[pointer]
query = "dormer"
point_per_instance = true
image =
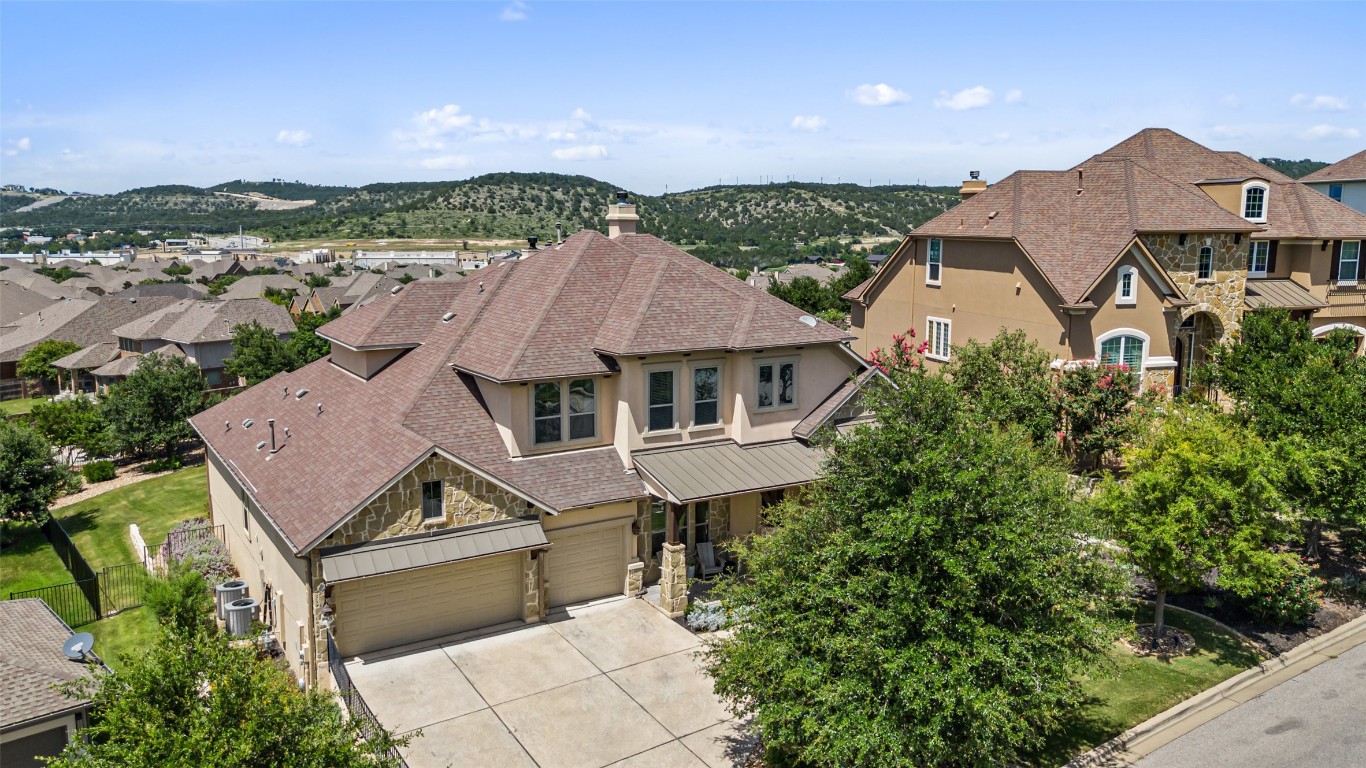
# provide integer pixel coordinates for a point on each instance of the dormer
(1248, 197)
(366, 341)
(1255, 199)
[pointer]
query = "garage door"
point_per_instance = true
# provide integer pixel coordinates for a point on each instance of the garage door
(409, 606)
(586, 564)
(24, 753)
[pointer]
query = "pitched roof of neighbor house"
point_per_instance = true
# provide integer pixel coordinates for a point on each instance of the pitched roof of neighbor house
(92, 356)
(17, 301)
(547, 316)
(190, 321)
(252, 286)
(1348, 169)
(32, 662)
(81, 321)
(124, 366)
(174, 290)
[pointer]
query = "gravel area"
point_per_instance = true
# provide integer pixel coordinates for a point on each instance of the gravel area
(126, 474)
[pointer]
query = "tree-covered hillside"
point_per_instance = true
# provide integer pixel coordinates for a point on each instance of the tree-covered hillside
(283, 190)
(1295, 169)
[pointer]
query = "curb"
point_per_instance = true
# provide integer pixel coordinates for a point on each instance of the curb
(1161, 729)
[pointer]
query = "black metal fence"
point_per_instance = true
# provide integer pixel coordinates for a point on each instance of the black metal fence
(355, 703)
(66, 550)
(94, 594)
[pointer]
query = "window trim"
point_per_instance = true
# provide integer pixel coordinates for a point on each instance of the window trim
(440, 498)
(676, 368)
(1266, 199)
(1130, 299)
(1342, 253)
(565, 439)
(720, 366)
(1200, 273)
(936, 264)
(777, 363)
(930, 338)
(1252, 249)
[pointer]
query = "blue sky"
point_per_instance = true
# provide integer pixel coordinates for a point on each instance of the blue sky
(101, 97)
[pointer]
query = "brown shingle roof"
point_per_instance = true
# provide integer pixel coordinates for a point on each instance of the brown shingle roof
(17, 301)
(191, 321)
(32, 662)
(1349, 169)
(92, 356)
(540, 317)
(82, 321)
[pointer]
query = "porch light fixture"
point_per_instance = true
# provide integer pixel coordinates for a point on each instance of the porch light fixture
(327, 618)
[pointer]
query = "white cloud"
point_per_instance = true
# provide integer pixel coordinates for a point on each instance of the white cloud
(1319, 103)
(585, 152)
(1231, 101)
(1014, 96)
(1324, 131)
(442, 120)
(581, 114)
(879, 95)
(446, 162)
(20, 145)
(812, 123)
(515, 11)
(561, 136)
(298, 138)
(968, 98)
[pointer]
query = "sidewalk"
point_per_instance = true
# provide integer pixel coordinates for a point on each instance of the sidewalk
(1146, 738)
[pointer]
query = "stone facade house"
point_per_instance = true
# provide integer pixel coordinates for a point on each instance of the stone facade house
(1144, 254)
(563, 428)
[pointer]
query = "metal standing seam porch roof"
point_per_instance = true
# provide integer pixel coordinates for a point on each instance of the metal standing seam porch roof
(1280, 293)
(423, 550)
(706, 471)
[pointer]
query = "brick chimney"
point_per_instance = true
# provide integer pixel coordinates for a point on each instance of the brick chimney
(973, 185)
(621, 217)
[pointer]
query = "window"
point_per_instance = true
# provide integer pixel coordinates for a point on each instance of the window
(1349, 264)
(938, 333)
(662, 414)
(1127, 291)
(552, 421)
(658, 524)
(934, 262)
(431, 501)
(126, 345)
(701, 522)
(1254, 202)
(1122, 350)
(1258, 255)
(1335, 192)
(706, 395)
(777, 384)
(1205, 266)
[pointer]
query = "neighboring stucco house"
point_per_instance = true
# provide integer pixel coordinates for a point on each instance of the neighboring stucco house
(36, 720)
(1343, 181)
(1144, 254)
(543, 432)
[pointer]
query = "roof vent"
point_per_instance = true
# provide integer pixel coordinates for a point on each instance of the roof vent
(449, 316)
(246, 423)
(807, 320)
(974, 175)
(320, 409)
(621, 197)
(261, 445)
(395, 290)
(300, 394)
(531, 242)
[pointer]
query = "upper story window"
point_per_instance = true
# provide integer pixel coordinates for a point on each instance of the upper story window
(1335, 192)
(564, 410)
(1258, 258)
(706, 395)
(934, 262)
(432, 500)
(1126, 292)
(1204, 268)
(662, 394)
(127, 345)
(777, 384)
(1254, 201)
(939, 335)
(1349, 263)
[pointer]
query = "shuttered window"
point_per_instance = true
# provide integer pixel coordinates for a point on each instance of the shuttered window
(1122, 350)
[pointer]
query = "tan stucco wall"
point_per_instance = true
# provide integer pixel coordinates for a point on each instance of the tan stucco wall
(598, 514)
(511, 407)
(744, 514)
(363, 364)
(1228, 196)
(1145, 314)
(261, 556)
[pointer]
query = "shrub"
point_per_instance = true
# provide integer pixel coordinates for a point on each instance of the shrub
(181, 600)
(162, 465)
(1349, 585)
(193, 544)
(706, 616)
(1291, 599)
(98, 471)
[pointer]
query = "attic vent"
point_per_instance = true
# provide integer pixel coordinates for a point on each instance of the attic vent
(449, 316)
(300, 394)
(247, 423)
(992, 215)
(396, 289)
(807, 320)
(261, 445)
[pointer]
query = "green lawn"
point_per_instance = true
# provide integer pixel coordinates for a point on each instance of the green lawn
(99, 525)
(1134, 688)
(17, 407)
(125, 634)
(29, 562)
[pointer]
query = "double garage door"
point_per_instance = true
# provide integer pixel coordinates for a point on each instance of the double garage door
(410, 606)
(586, 563)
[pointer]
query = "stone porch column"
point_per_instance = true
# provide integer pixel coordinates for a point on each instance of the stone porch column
(673, 579)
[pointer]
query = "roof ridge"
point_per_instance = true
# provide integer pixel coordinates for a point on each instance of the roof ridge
(533, 327)
(1129, 195)
(648, 296)
(1305, 208)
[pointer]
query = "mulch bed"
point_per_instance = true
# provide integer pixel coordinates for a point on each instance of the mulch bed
(1174, 642)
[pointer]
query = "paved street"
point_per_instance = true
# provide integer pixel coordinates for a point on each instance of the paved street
(1317, 719)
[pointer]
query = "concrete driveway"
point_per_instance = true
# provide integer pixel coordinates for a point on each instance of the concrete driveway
(616, 683)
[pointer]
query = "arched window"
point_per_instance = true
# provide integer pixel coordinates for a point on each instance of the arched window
(1254, 201)
(1123, 346)
(1126, 291)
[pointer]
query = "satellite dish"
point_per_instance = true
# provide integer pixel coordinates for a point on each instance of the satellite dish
(78, 645)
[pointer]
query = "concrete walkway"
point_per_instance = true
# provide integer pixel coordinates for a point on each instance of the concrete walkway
(616, 683)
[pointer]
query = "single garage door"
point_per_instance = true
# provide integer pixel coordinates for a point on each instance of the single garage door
(409, 606)
(24, 753)
(586, 564)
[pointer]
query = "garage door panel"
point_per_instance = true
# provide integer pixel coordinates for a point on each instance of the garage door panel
(584, 565)
(424, 603)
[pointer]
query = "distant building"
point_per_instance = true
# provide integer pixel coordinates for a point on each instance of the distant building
(1343, 181)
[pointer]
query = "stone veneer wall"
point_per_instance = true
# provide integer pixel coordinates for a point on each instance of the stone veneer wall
(398, 510)
(719, 523)
(1224, 295)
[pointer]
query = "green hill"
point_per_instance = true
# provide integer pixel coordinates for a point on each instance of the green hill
(1295, 169)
